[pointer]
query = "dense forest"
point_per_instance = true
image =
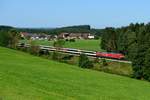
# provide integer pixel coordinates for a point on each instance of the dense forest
(134, 42)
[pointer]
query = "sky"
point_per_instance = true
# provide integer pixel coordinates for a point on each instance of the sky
(60, 13)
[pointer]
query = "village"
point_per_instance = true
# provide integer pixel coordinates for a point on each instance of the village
(64, 35)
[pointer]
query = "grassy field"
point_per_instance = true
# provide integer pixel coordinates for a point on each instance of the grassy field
(84, 44)
(26, 77)
(93, 45)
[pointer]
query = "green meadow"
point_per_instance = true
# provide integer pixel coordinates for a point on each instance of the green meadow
(27, 77)
(93, 45)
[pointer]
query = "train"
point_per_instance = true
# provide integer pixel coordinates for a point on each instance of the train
(110, 55)
(118, 56)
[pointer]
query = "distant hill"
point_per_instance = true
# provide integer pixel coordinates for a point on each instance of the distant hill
(2, 27)
(74, 29)
(56, 31)
(26, 77)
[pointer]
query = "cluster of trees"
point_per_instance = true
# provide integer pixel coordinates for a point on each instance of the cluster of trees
(134, 42)
(9, 37)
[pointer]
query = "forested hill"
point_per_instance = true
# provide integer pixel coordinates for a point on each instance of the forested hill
(69, 29)
(74, 29)
(56, 31)
(5, 27)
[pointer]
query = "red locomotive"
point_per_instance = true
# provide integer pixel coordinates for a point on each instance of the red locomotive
(110, 55)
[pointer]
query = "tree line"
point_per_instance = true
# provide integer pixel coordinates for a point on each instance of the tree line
(134, 42)
(69, 29)
(56, 31)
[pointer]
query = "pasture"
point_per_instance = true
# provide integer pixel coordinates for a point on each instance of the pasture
(93, 45)
(27, 77)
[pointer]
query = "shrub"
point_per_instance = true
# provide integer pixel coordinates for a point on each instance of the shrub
(104, 62)
(55, 55)
(67, 40)
(34, 50)
(43, 52)
(84, 62)
(96, 37)
(72, 40)
(96, 60)
(67, 57)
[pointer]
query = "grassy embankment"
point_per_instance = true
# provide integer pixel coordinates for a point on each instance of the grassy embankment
(26, 77)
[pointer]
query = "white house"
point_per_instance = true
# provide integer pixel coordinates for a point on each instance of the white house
(91, 36)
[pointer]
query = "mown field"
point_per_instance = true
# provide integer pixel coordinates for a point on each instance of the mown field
(93, 45)
(26, 77)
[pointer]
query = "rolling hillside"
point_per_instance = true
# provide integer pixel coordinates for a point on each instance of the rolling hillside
(26, 77)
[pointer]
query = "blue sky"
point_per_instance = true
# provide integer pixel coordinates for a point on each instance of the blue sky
(57, 13)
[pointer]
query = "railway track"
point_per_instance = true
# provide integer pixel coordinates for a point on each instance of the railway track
(75, 52)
